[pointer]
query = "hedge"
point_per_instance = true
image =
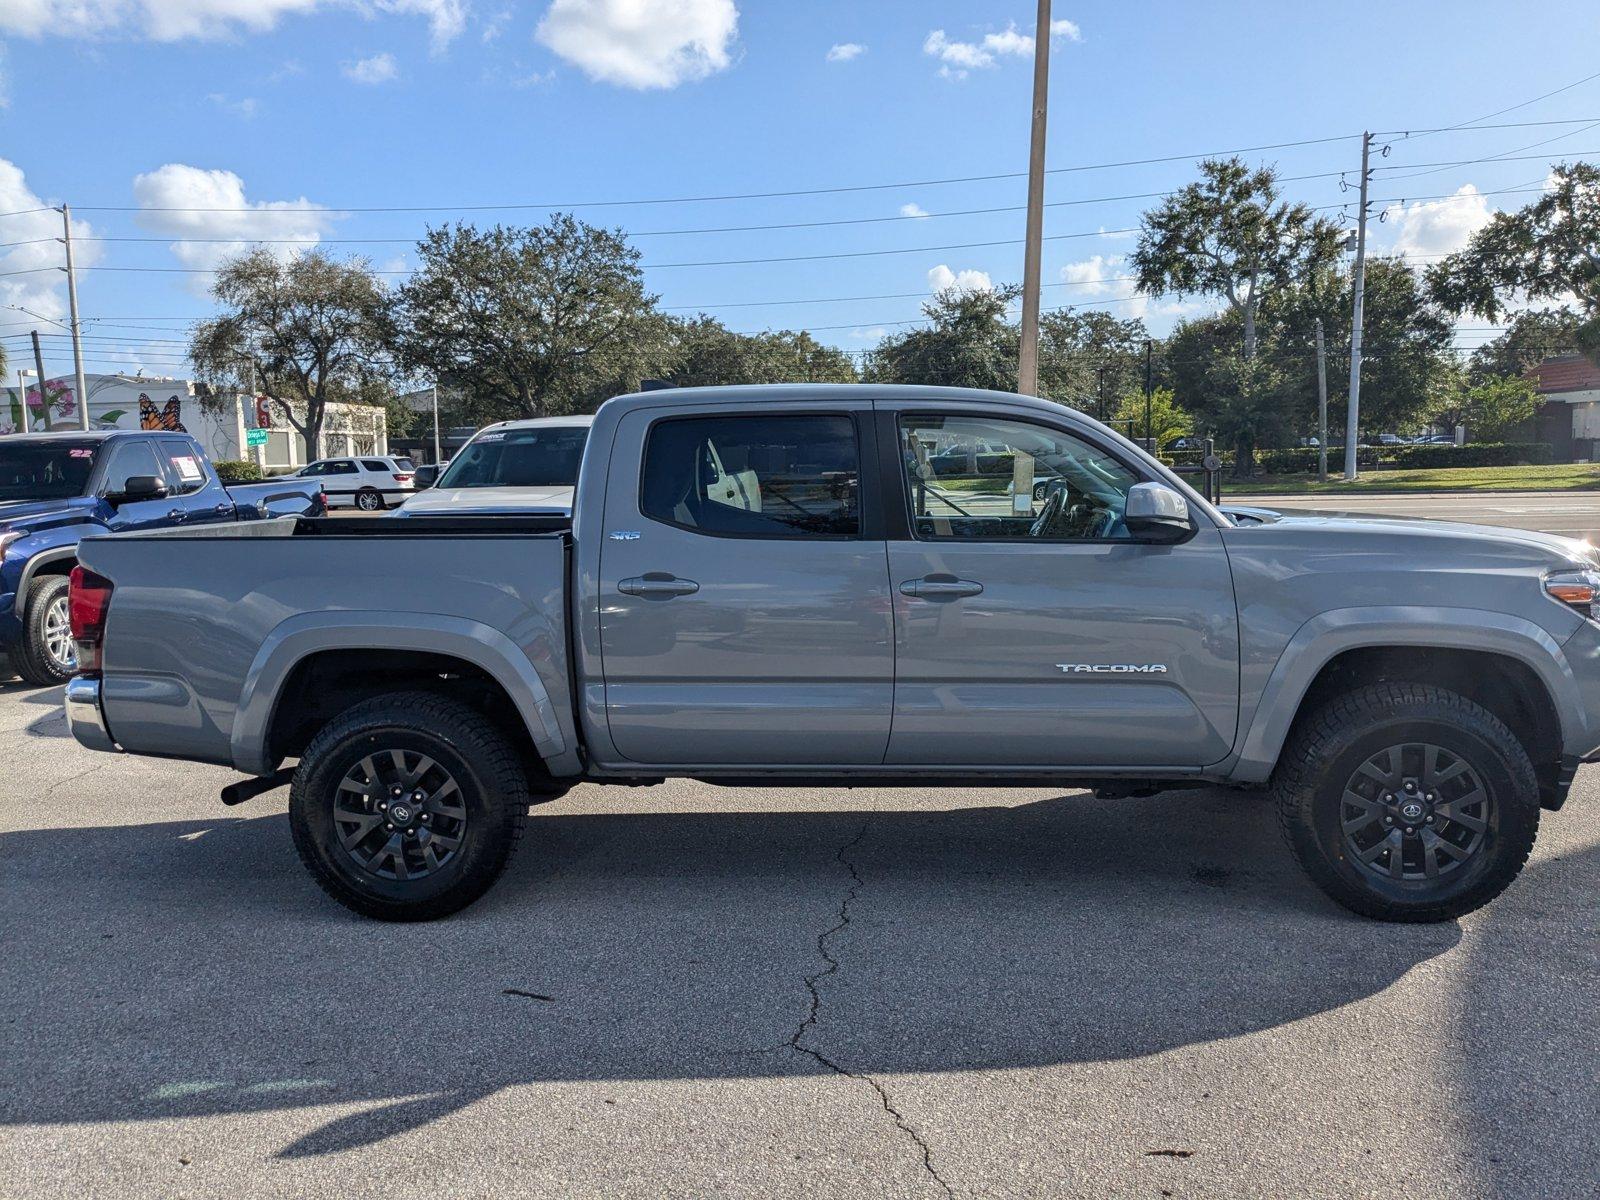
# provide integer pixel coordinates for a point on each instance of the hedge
(235, 470)
(1479, 454)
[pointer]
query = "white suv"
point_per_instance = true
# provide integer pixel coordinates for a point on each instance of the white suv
(371, 482)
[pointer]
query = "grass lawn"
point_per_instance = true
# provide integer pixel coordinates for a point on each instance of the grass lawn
(1560, 477)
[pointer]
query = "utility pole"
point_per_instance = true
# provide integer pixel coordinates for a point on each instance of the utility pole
(77, 329)
(436, 454)
(1149, 354)
(1322, 407)
(1353, 418)
(1028, 353)
(38, 364)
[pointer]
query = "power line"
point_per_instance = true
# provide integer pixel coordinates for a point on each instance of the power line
(1501, 112)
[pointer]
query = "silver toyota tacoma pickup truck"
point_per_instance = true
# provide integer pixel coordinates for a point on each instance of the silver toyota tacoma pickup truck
(775, 585)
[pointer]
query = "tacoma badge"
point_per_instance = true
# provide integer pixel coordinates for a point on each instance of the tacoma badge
(1112, 668)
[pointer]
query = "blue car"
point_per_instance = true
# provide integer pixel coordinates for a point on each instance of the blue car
(57, 488)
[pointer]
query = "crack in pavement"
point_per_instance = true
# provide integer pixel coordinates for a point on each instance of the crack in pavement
(831, 967)
(54, 787)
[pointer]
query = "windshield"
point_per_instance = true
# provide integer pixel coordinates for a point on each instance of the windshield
(44, 470)
(546, 457)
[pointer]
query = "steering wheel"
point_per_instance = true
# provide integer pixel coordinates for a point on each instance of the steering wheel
(1049, 514)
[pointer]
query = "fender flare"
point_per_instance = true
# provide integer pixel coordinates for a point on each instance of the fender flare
(44, 558)
(1323, 637)
(299, 636)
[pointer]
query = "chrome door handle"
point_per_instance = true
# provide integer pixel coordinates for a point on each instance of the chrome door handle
(940, 587)
(658, 585)
(223, 508)
(175, 514)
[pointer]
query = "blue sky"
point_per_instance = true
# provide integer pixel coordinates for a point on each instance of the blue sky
(310, 105)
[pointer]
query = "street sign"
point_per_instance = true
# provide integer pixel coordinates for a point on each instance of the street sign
(255, 437)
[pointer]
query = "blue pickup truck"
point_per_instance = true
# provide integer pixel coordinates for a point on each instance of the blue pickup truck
(58, 488)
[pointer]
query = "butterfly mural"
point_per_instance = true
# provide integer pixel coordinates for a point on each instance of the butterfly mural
(165, 418)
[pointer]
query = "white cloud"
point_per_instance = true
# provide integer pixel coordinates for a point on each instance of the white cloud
(244, 107)
(44, 289)
(642, 43)
(1432, 227)
(958, 58)
(1092, 276)
(913, 210)
(875, 333)
(174, 20)
(942, 277)
(210, 218)
(845, 51)
(380, 68)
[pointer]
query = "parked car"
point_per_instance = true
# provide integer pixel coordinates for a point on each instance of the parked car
(752, 589)
(512, 467)
(370, 482)
(57, 488)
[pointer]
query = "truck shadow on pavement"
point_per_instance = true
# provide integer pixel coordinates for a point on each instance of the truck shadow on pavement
(190, 968)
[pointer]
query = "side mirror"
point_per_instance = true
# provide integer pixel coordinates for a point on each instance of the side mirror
(1156, 513)
(139, 487)
(425, 476)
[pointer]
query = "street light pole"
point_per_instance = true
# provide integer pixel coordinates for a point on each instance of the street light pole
(1353, 418)
(77, 329)
(1322, 407)
(38, 363)
(436, 453)
(1028, 351)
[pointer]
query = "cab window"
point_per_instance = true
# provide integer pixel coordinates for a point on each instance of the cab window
(755, 476)
(186, 470)
(129, 458)
(983, 479)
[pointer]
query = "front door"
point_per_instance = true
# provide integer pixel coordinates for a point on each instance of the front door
(744, 597)
(130, 457)
(1031, 628)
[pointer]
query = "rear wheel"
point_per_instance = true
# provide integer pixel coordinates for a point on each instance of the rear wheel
(408, 807)
(369, 500)
(1407, 802)
(45, 655)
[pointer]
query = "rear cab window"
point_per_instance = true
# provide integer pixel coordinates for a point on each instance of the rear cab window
(186, 468)
(755, 476)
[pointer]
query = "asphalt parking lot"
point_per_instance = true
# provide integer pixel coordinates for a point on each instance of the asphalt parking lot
(690, 991)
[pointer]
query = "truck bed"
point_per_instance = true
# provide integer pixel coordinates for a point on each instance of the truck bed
(208, 623)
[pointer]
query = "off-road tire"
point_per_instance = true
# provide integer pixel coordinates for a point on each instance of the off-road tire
(484, 764)
(370, 500)
(1326, 749)
(31, 657)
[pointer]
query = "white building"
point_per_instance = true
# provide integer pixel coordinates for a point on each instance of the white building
(153, 402)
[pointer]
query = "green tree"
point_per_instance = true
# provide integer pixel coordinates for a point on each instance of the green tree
(1167, 421)
(1240, 401)
(970, 343)
(529, 322)
(1087, 359)
(314, 327)
(1496, 409)
(1532, 336)
(1406, 346)
(1547, 250)
(704, 351)
(1229, 235)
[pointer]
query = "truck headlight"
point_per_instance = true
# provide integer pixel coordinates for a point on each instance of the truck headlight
(1578, 590)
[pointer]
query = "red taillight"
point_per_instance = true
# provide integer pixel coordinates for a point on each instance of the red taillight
(88, 601)
(402, 478)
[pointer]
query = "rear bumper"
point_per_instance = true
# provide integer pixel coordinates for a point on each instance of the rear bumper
(85, 717)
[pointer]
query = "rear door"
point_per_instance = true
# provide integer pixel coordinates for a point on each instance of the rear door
(190, 482)
(1031, 628)
(744, 596)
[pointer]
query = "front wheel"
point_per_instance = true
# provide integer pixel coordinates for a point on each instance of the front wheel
(1408, 802)
(46, 655)
(408, 807)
